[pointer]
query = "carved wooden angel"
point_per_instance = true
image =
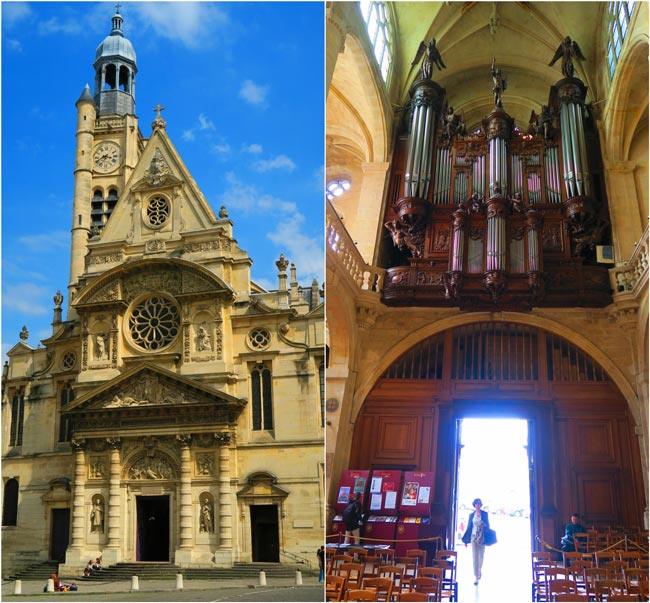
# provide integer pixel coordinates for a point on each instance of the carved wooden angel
(567, 50)
(500, 83)
(431, 57)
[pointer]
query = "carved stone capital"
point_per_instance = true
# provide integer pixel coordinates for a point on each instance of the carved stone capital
(224, 438)
(184, 439)
(78, 444)
(114, 443)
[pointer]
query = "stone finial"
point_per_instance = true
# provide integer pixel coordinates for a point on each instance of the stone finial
(223, 212)
(295, 290)
(58, 299)
(24, 333)
(158, 121)
(282, 264)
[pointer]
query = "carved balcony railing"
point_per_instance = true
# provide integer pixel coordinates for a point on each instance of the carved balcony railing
(342, 250)
(629, 278)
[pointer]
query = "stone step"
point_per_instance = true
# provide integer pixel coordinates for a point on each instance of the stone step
(40, 571)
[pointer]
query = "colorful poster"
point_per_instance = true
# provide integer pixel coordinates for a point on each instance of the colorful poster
(391, 500)
(388, 487)
(423, 495)
(410, 496)
(375, 502)
(359, 485)
(344, 495)
(375, 484)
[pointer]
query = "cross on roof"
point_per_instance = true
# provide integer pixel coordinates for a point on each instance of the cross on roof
(159, 108)
(117, 7)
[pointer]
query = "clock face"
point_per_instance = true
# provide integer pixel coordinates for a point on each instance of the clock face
(107, 157)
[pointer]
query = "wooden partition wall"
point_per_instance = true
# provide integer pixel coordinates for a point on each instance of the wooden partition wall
(585, 452)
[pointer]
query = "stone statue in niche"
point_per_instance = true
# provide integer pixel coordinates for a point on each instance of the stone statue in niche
(97, 516)
(101, 353)
(206, 523)
(204, 464)
(203, 340)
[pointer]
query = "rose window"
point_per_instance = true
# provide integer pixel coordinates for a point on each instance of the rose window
(157, 211)
(154, 322)
(68, 361)
(259, 339)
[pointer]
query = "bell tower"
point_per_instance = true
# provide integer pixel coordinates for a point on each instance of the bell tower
(115, 70)
(109, 144)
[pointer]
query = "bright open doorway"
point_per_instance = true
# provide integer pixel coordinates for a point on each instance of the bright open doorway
(494, 465)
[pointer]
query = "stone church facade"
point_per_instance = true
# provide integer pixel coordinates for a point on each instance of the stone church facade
(177, 413)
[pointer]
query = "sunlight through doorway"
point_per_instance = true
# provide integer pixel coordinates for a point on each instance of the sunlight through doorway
(493, 464)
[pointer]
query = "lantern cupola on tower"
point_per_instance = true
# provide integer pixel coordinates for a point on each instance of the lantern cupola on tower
(115, 69)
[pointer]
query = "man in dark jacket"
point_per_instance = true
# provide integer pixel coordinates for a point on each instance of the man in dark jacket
(352, 518)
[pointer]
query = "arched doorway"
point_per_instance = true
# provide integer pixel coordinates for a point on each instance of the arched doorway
(583, 440)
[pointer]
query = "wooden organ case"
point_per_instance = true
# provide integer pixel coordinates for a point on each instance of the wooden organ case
(502, 218)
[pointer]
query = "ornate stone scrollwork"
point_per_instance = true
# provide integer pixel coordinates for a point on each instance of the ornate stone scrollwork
(78, 444)
(204, 464)
(151, 468)
(114, 443)
(184, 439)
(224, 438)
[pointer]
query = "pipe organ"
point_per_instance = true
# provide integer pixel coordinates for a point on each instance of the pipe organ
(501, 218)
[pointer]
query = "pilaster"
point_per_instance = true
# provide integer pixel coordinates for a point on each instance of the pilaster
(113, 553)
(623, 207)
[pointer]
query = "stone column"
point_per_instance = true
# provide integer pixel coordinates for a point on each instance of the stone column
(365, 228)
(627, 225)
(185, 540)
(78, 505)
(225, 552)
(113, 552)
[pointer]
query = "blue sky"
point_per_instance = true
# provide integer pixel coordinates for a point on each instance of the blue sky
(242, 84)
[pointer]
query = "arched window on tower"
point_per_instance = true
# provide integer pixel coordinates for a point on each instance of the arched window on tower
(101, 209)
(10, 503)
(262, 397)
(110, 79)
(125, 79)
(378, 25)
(619, 15)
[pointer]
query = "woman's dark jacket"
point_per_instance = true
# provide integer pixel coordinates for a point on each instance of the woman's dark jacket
(467, 536)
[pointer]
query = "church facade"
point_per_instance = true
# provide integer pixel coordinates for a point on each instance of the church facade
(468, 281)
(176, 413)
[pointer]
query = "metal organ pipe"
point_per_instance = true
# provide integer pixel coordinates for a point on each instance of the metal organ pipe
(533, 259)
(582, 150)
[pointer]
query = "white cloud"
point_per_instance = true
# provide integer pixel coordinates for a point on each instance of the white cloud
(280, 162)
(14, 45)
(252, 93)
(27, 298)
(255, 149)
(39, 242)
(246, 198)
(14, 12)
(189, 135)
(57, 26)
(193, 24)
(304, 251)
(205, 123)
(221, 149)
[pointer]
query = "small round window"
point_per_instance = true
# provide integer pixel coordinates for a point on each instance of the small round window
(157, 211)
(154, 322)
(259, 339)
(68, 361)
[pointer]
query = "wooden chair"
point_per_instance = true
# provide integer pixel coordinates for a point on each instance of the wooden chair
(618, 598)
(353, 574)
(576, 572)
(580, 541)
(569, 598)
(632, 557)
(615, 569)
(564, 586)
(420, 554)
(636, 581)
(359, 595)
(430, 586)
(540, 556)
(356, 552)
(410, 565)
(604, 557)
(383, 587)
(395, 573)
(371, 564)
(337, 560)
(387, 555)
(592, 575)
(334, 587)
(412, 597)
(449, 584)
(605, 589)
(539, 590)
(569, 558)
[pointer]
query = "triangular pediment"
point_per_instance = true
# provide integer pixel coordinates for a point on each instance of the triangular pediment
(160, 171)
(149, 387)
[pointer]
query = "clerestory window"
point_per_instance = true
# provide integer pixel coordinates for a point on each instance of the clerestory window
(378, 25)
(619, 22)
(262, 397)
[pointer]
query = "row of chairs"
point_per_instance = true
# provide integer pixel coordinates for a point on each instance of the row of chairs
(405, 574)
(381, 589)
(612, 578)
(601, 558)
(597, 540)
